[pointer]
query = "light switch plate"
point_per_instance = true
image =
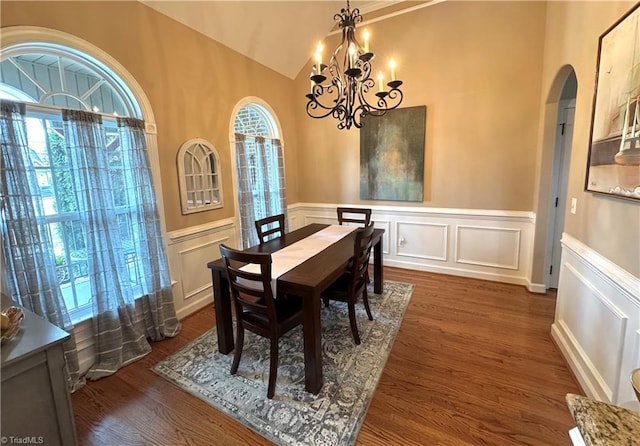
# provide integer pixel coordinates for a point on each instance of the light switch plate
(574, 205)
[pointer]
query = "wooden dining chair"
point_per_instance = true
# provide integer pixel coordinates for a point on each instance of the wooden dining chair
(360, 216)
(269, 226)
(256, 308)
(354, 282)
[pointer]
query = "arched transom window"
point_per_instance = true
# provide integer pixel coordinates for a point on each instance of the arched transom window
(51, 75)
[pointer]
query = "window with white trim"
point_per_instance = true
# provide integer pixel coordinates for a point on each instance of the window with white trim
(265, 164)
(48, 78)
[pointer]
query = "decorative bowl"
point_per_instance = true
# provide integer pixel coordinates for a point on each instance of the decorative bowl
(15, 316)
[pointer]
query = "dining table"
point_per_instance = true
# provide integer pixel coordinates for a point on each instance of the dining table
(307, 281)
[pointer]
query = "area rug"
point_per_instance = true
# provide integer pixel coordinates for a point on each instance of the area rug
(295, 417)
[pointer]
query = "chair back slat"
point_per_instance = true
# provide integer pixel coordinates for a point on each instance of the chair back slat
(267, 227)
(360, 216)
(359, 270)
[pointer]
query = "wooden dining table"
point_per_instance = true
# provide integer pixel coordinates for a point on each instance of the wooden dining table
(307, 280)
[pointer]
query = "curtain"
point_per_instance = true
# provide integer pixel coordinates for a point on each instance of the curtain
(29, 266)
(245, 194)
(266, 187)
(123, 238)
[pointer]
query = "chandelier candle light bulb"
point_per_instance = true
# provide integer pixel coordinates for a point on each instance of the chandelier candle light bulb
(365, 38)
(344, 88)
(318, 57)
(352, 55)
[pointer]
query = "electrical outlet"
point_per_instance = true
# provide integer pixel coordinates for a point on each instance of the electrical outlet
(574, 205)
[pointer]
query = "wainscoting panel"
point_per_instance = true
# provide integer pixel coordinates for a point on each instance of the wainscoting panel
(423, 240)
(485, 246)
(189, 252)
(597, 322)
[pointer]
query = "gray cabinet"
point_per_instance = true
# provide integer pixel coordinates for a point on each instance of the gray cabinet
(36, 405)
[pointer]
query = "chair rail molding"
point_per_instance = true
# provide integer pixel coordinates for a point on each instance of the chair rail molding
(597, 322)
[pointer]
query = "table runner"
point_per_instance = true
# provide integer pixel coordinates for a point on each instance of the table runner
(293, 255)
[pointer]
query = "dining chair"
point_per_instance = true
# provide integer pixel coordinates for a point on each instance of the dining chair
(256, 308)
(354, 282)
(354, 215)
(270, 225)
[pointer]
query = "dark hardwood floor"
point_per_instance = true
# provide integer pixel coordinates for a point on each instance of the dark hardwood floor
(473, 364)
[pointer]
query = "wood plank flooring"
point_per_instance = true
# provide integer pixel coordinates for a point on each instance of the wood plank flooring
(473, 364)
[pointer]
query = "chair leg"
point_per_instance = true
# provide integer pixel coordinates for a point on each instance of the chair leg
(352, 319)
(365, 299)
(326, 301)
(237, 352)
(273, 368)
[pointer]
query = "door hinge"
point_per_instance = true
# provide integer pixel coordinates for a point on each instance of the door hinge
(562, 130)
(551, 269)
(556, 201)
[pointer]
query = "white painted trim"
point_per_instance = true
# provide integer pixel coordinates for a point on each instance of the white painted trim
(182, 235)
(523, 216)
(539, 288)
(624, 281)
(194, 306)
(483, 275)
(581, 370)
(596, 289)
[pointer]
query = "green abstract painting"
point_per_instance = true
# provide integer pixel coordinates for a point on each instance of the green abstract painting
(392, 150)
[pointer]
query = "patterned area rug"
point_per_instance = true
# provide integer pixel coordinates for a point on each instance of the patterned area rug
(294, 416)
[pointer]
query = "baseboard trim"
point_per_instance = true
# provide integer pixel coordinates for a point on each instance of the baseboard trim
(194, 306)
(515, 280)
(573, 360)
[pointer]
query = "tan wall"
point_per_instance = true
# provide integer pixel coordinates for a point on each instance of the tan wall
(192, 82)
(610, 226)
(477, 67)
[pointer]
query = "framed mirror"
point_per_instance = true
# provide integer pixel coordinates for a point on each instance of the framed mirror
(199, 176)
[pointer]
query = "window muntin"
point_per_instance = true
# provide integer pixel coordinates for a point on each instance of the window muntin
(199, 176)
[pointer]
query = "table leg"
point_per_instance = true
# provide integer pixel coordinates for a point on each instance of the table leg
(222, 307)
(312, 343)
(377, 267)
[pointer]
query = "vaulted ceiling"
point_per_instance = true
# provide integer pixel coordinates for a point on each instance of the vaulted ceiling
(278, 34)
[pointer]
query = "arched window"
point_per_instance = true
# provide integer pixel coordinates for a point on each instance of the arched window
(199, 176)
(51, 78)
(259, 167)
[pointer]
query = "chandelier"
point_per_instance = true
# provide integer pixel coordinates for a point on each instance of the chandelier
(344, 88)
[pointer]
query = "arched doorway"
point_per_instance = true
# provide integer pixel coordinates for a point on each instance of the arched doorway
(553, 174)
